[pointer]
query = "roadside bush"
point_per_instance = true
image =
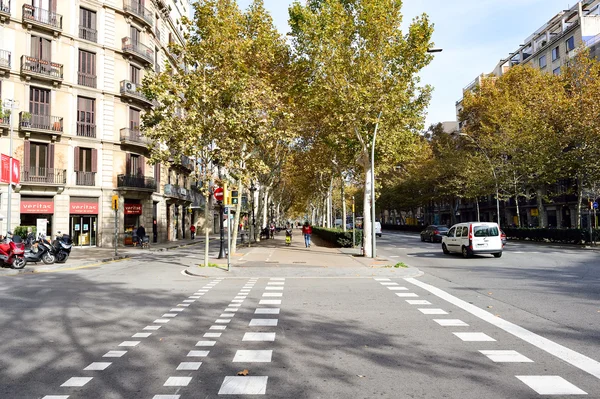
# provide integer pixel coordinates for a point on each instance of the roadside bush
(22, 231)
(573, 236)
(338, 237)
(403, 227)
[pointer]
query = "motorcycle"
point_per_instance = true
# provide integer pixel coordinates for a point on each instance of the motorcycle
(39, 250)
(62, 247)
(12, 252)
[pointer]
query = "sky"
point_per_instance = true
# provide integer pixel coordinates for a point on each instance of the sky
(474, 36)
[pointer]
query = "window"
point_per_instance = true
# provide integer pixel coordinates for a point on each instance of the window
(542, 61)
(451, 232)
(556, 71)
(86, 160)
(135, 35)
(157, 173)
(134, 165)
(134, 119)
(465, 231)
(485, 231)
(458, 231)
(86, 120)
(555, 53)
(87, 69)
(38, 158)
(134, 74)
(41, 48)
(39, 108)
(570, 43)
(87, 25)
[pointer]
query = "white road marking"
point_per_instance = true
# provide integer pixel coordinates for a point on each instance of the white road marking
(191, 366)
(235, 304)
(276, 283)
(550, 385)
(129, 343)
(166, 397)
(222, 321)
(398, 288)
(206, 343)
(253, 356)
(56, 397)
(263, 322)
(432, 311)
(274, 288)
(270, 302)
(418, 302)
(189, 300)
(389, 283)
(212, 335)
(272, 294)
(227, 315)
(568, 355)
(382, 279)
(97, 366)
(169, 315)
(235, 385)
(177, 310)
(178, 381)
(141, 335)
(231, 309)
(152, 328)
(474, 337)
(277, 278)
(198, 353)
(184, 304)
(406, 294)
(267, 311)
(245, 290)
(114, 353)
(217, 327)
(76, 381)
(259, 337)
(451, 323)
(238, 301)
(506, 356)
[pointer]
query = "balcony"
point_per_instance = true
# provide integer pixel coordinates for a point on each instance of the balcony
(41, 69)
(129, 91)
(4, 123)
(139, 12)
(5, 61)
(4, 10)
(35, 123)
(157, 33)
(136, 183)
(86, 129)
(133, 137)
(89, 34)
(43, 19)
(44, 175)
(85, 178)
(174, 191)
(137, 50)
(85, 79)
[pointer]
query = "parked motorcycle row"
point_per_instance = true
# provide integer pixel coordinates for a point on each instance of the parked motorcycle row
(16, 254)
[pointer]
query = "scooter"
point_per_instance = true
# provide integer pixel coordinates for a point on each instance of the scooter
(39, 250)
(12, 252)
(62, 247)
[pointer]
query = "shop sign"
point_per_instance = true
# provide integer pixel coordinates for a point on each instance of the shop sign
(6, 170)
(83, 207)
(132, 209)
(37, 205)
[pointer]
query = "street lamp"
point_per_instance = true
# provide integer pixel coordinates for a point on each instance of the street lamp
(493, 171)
(252, 191)
(272, 216)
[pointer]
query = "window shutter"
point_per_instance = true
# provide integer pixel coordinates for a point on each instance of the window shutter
(128, 164)
(77, 159)
(50, 156)
(157, 173)
(27, 156)
(94, 160)
(142, 165)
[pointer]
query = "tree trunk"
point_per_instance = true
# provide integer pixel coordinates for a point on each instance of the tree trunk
(541, 209)
(265, 210)
(579, 201)
(236, 218)
(343, 194)
(367, 225)
(207, 207)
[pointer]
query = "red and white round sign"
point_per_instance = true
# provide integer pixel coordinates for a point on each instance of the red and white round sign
(218, 194)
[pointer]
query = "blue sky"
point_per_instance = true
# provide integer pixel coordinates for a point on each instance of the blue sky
(475, 35)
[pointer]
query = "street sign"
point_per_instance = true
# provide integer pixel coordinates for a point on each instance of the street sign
(595, 205)
(115, 202)
(218, 194)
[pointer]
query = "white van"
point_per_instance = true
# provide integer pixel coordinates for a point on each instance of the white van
(473, 238)
(378, 229)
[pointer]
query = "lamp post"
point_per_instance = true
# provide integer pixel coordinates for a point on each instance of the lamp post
(493, 171)
(272, 218)
(221, 215)
(252, 191)
(12, 105)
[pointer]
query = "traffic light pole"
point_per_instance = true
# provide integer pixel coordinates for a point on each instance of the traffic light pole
(222, 232)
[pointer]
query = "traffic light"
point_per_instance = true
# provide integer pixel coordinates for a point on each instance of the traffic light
(115, 202)
(234, 197)
(226, 197)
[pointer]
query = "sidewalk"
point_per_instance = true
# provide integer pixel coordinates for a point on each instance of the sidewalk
(274, 257)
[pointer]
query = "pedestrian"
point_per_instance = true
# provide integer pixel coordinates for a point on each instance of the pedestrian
(306, 231)
(272, 230)
(193, 231)
(134, 236)
(141, 233)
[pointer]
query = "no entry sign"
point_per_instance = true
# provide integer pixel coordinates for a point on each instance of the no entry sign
(218, 194)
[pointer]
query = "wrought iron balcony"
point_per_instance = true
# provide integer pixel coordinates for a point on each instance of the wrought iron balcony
(41, 69)
(29, 122)
(44, 175)
(5, 61)
(175, 191)
(86, 129)
(129, 90)
(85, 79)
(85, 178)
(4, 9)
(138, 11)
(88, 34)
(136, 182)
(42, 18)
(133, 137)
(4, 122)
(138, 50)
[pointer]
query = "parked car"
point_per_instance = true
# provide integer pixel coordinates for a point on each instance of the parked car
(473, 238)
(434, 233)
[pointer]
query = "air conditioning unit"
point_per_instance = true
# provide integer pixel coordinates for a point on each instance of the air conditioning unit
(130, 86)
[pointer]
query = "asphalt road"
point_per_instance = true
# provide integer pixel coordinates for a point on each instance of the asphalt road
(123, 330)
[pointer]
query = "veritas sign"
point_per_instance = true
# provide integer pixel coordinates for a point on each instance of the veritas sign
(132, 209)
(32, 205)
(84, 207)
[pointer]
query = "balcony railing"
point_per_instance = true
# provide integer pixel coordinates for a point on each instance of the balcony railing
(5, 8)
(187, 163)
(85, 79)
(4, 121)
(88, 34)
(41, 68)
(133, 136)
(130, 90)
(138, 11)
(39, 16)
(175, 191)
(157, 33)
(137, 49)
(136, 182)
(44, 175)
(86, 129)
(85, 178)
(5, 59)
(48, 123)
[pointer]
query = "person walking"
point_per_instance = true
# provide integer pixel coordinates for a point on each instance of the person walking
(193, 231)
(306, 231)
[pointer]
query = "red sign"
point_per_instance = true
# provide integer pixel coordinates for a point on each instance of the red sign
(132, 209)
(218, 194)
(84, 207)
(35, 205)
(7, 169)
(16, 168)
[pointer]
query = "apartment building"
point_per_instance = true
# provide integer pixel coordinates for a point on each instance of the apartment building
(72, 69)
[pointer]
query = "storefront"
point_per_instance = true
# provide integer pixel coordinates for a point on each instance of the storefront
(84, 220)
(132, 211)
(38, 212)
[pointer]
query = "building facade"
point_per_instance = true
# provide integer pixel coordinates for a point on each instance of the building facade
(72, 69)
